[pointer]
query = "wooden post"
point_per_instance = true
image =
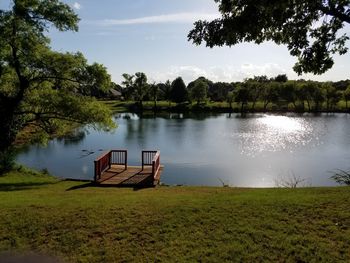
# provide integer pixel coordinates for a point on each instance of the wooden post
(95, 175)
(126, 160)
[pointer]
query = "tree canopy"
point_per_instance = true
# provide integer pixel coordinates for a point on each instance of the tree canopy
(311, 29)
(39, 86)
(179, 92)
(199, 91)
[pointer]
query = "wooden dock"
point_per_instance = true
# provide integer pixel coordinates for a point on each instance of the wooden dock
(111, 169)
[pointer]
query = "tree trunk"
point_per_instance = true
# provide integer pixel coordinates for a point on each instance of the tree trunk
(10, 125)
(265, 105)
(242, 106)
(141, 104)
(316, 106)
(253, 106)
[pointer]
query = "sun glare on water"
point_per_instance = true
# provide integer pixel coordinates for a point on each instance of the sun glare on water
(274, 133)
(282, 123)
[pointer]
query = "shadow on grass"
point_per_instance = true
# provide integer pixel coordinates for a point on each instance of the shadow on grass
(8, 187)
(96, 186)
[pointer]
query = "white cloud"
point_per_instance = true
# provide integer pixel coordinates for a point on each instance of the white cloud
(268, 69)
(219, 73)
(168, 18)
(76, 5)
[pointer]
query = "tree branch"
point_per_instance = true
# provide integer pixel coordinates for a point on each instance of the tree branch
(332, 11)
(51, 116)
(55, 77)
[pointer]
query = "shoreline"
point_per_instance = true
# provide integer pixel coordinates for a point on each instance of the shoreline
(118, 106)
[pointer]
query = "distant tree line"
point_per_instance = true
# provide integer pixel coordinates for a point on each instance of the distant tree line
(277, 93)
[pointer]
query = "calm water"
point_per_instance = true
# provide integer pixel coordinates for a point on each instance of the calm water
(206, 149)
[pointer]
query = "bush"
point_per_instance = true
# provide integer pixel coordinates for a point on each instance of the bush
(341, 177)
(7, 160)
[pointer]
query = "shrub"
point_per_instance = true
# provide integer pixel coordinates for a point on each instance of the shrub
(341, 177)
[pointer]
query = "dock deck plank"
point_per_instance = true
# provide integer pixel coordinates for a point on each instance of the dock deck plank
(132, 176)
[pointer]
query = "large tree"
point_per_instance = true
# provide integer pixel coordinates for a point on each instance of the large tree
(311, 29)
(39, 86)
(128, 86)
(140, 87)
(179, 92)
(242, 95)
(165, 90)
(199, 91)
(331, 95)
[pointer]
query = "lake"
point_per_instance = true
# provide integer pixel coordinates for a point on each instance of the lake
(255, 150)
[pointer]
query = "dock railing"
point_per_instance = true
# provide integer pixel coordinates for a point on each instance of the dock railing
(104, 162)
(151, 158)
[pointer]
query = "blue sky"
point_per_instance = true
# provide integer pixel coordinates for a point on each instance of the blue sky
(151, 36)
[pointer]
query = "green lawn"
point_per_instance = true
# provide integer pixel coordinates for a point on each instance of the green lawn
(89, 224)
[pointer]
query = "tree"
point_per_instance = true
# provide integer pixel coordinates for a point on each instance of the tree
(281, 78)
(318, 97)
(346, 95)
(199, 91)
(97, 82)
(242, 95)
(154, 90)
(306, 92)
(165, 89)
(269, 93)
(288, 93)
(40, 87)
(331, 95)
(310, 28)
(218, 91)
(140, 87)
(128, 84)
(179, 91)
(230, 98)
(255, 87)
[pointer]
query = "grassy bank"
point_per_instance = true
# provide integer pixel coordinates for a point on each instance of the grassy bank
(90, 224)
(130, 106)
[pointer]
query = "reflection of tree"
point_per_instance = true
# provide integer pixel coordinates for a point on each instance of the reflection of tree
(140, 131)
(147, 129)
(73, 138)
(244, 115)
(153, 130)
(201, 115)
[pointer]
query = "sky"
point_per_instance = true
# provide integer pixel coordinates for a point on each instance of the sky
(151, 36)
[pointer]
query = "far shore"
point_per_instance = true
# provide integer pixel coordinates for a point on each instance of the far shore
(216, 107)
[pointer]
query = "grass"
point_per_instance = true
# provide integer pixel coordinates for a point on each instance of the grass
(89, 224)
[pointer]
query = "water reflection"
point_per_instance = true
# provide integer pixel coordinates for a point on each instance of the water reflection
(199, 149)
(283, 123)
(273, 133)
(74, 138)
